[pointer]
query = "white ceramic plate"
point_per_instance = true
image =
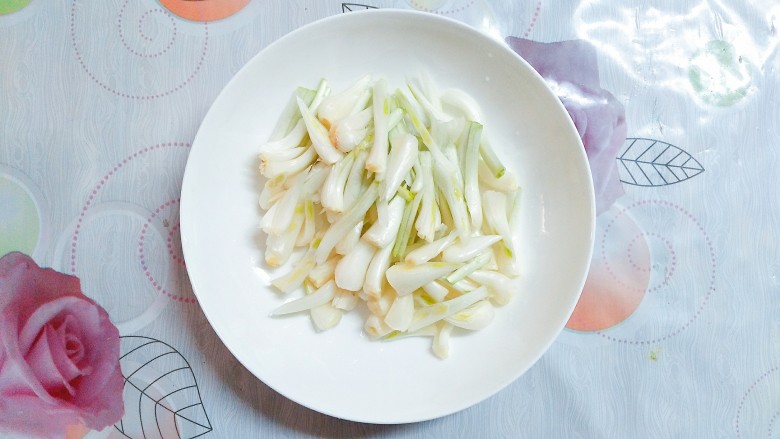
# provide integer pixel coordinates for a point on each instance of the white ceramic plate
(341, 372)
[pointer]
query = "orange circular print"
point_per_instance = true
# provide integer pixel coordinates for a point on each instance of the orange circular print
(204, 10)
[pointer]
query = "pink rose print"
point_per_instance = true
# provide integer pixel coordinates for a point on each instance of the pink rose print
(570, 68)
(59, 353)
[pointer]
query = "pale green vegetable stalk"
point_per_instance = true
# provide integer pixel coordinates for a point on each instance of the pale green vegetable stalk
(436, 291)
(497, 169)
(350, 131)
(377, 159)
(401, 312)
(322, 273)
(429, 251)
(499, 285)
(280, 155)
(309, 229)
(496, 217)
(464, 250)
(351, 270)
(356, 183)
(332, 193)
(279, 247)
(288, 168)
(403, 153)
(290, 115)
(427, 106)
(321, 296)
(350, 240)
(319, 136)
(375, 274)
(426, 223)
(381, 304)
(443, 176)
(273, 189)
(464, 270)
(294, 279)
(405, 229)
(507, 182)
(475, 317)
(345, 300)
(284, 210)
(291, 140)
(431, 314)
(471, 184)
(406, 278)
(325, 316)
(376, 327)
(441, 341)
(384, 231)
(338, 106)
(350, 219)
(462, 102)
(428, 331)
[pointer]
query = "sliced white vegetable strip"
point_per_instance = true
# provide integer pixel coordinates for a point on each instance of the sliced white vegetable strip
(290, 167)
(341, 228)
(350, 131)
(273, 189)
(406, 278)
(426, 105)
(496, 216)
(345, 300)
(309, 228)
(437, 291)
(427, 223)
(279, 247)
(428, 331)
(492, 161)
(291, 140)
(281, 155)
(441, 341)
(418, 181)
(381, 304)
(332, 193)
(514, 216)
(401, 312)
(290, 115)
(432, 314)
(319, 136)
(285, 209)
(462, 251)
(337, 106)
(351, 269)
(430, 250)
(375, 274)
(505, 260)
(315, 179)
(383, 232)
(355, 181)
(463, 102)
(475, 317)
(295, 278)
(464, 270)
(376, 327)
(322, 273)
(350, 240)
(377, 159)
(394, 118)
(500, 286)
(405, 229)
(403, 154)
(470, 181)
(322, 92)
(325, 316)
(507, 182)
(321, 296)
(443, 176)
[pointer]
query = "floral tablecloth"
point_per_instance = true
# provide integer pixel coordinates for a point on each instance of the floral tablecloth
(677, 333)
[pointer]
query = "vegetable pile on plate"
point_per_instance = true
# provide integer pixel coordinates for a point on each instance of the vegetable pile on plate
(397, 200)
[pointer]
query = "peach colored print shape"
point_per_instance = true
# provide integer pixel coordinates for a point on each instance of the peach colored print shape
(618, 278)
(204, 10)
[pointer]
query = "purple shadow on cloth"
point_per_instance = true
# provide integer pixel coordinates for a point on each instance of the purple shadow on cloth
(570, 68)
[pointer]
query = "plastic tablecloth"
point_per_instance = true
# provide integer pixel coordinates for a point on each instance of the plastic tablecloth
(677, 333)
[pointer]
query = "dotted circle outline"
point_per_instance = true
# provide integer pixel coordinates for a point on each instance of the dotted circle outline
(142, 255)
(534, 18)
(109, 89)
(120, 30)
(710, 288)
(668, 271)
(750, 389)
(447, 12)
(772, 423)
(100, 185)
